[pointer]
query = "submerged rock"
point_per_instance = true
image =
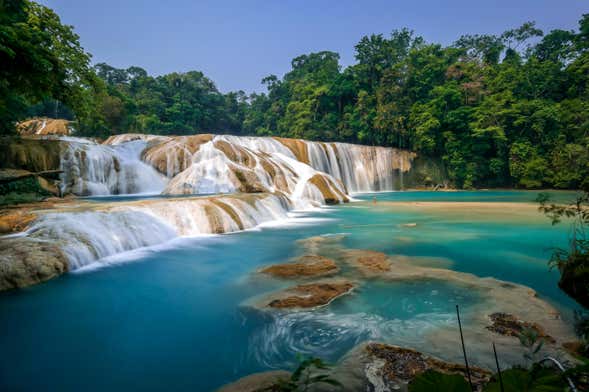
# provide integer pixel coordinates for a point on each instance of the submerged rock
(256, 382)
(310, 295)
(393, 367)
(304, 266)
(367, 261)
(321, 243)
(509, 325)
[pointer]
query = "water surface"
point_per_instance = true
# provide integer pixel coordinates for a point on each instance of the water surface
(173, 317)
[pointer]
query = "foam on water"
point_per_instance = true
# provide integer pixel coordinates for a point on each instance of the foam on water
(95, 169)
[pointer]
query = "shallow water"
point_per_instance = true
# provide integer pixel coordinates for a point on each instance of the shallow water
(174, 318)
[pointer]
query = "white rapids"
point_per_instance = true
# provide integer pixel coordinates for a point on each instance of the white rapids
(266, 177)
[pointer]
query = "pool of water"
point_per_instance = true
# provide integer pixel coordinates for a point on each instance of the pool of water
(174, 317)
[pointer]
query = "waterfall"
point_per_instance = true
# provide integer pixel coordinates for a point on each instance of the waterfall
(207, 164)
(90, 235)
(228, 164)
(268, 177)
(95, 169)
(360, 168)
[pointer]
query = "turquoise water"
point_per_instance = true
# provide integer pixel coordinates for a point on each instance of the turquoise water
(173, 318)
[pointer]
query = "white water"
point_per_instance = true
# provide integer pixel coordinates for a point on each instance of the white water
(225, 164)
(360, 168)
(88, 236)
(95, 234)
(116, 167)
(95, 169)
(210, 170)
(310, 333)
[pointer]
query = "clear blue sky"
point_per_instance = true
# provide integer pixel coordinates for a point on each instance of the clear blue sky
(236, 43)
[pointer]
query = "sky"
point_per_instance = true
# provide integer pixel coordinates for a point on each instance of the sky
(238, 42)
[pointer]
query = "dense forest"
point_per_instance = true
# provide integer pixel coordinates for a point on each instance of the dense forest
(508, 110)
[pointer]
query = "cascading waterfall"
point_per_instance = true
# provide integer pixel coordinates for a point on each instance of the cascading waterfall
(88, 236)
(95, 169)
(203, 164)
(360, 168)
(228, 164)
(270, 176)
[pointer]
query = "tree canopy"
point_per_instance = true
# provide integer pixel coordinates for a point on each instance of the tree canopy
(505, 110)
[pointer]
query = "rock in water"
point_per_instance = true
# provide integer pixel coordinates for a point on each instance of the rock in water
(509, 325)
(24, 262)
(394, 366)
(311, 295)
(302, 267)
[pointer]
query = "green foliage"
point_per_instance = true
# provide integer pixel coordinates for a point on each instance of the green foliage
(573, 262)
(579, 374)
(310, 372)
(538, 379)
(18, 198)
(39, 58)
(529, 339)
(497, 110)
(432, 381)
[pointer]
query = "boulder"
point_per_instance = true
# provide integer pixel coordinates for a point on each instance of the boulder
(25, 261)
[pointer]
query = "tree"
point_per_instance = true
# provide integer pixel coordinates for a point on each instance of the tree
(39, 58)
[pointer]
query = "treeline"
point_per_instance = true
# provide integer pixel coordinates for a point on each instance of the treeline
(508, 110)
(498, 110)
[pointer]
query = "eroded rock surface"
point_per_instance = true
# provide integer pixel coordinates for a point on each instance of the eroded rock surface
(45, 126)
(303, 267)
(367, 261)
(15, 220)
(310, 295)
(509, 325)
(330, 191)
(397, 366)
(24, 262)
